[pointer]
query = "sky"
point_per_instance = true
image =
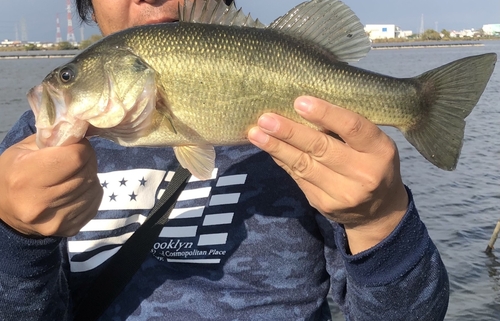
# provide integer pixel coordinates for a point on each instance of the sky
(35, 20)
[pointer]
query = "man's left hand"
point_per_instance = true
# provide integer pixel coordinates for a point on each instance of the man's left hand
(355, 181)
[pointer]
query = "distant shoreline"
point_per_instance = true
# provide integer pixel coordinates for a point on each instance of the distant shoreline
(376, 46)
(424, 45)
(28, 56)
(47, 54)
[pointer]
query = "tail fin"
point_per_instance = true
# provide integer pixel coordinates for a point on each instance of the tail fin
(452, 91)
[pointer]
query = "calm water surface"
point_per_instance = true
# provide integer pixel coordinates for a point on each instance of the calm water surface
(460, 208)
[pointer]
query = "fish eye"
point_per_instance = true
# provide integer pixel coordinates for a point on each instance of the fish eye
(66, 74)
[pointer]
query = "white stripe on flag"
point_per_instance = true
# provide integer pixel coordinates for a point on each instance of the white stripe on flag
(232, 180)
(212, 239)
(218, 219)
(224, 199)
(89, 245)
(169, 176)
(179, 231)
(196, 193)
(178, 213)
(190, 194)
(112, 224)
(94, 261)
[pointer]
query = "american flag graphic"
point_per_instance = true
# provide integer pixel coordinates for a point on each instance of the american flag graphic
(128, 196)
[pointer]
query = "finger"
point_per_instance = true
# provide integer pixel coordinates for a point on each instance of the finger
(73, 190)
(79, 213)
(81, 220)
(299, 164)
(68, 217)
(316, 145)
(54, 165)
(326, 199)
(312, 190)
(358, 132)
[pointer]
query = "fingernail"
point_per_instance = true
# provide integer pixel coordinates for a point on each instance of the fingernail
(268, 123)
(258, 136)
(303, 104)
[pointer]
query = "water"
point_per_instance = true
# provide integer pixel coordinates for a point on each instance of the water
(460, 208)
(16, 78)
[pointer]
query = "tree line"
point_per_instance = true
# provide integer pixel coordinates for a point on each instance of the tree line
(66, 45)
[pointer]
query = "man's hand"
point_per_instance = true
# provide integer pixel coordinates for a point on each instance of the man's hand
(355, 182)
(54, 191)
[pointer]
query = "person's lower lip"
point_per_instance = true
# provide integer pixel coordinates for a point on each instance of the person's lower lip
(161, 21)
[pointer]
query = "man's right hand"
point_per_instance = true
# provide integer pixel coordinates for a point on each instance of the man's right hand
(54, 191)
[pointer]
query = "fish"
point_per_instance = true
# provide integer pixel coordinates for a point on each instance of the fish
(205, 80)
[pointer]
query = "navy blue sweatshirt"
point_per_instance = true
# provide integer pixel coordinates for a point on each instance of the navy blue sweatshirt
(244, 245)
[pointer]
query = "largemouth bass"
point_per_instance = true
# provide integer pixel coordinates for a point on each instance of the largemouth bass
(205, 80)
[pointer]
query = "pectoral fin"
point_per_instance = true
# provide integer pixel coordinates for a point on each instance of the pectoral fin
(163, 107)
(199, 160)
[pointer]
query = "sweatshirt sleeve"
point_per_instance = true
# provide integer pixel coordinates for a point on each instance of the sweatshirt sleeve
(33, 283)
(24, 127)
(401, 278)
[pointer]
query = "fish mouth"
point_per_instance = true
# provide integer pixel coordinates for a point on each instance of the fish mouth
(35, 99)
(55, 124)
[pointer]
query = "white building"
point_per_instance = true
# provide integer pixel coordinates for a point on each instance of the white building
(492, 29)
(386, 31)
(405, 33)
(7, 43)
(463, 33)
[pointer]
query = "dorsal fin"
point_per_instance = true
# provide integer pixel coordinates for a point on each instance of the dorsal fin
(215, 12)
(328, 23)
